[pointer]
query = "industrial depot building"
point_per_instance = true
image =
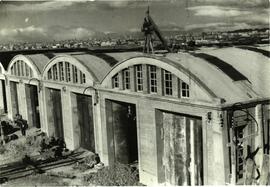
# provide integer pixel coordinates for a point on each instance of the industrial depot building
(188, 118)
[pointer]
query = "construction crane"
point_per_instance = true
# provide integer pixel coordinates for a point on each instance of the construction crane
(150, 27)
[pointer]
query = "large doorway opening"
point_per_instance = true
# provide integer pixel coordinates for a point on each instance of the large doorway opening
(4, 95)
(32, 105)
(85, 122)
(54, 112)
(122, 123)
(180, 145)
(14, 98)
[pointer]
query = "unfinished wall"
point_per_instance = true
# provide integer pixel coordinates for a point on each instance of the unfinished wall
(148, 131)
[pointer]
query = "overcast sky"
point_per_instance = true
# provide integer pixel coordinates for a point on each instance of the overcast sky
(42, 20)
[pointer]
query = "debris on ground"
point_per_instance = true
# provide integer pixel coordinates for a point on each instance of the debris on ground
(60, 174)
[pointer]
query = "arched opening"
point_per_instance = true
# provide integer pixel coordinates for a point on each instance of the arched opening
(21, 71)
(65, 78)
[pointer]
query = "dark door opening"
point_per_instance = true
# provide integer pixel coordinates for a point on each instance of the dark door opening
(56, 109)
(14, 98)
(181, 148)
(86, 122)
(122, 120)
(4, 95)
(32, 105)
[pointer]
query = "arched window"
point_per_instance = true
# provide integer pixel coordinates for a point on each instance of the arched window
(21, 69)
(66, 72)
(157, 81)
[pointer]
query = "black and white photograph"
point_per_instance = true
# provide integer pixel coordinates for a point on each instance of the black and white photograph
(134, 93)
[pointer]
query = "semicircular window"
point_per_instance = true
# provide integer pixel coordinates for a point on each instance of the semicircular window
(66, 72)
(150, 79)
(21, 69)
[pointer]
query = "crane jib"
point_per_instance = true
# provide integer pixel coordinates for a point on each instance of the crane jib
(158, 33)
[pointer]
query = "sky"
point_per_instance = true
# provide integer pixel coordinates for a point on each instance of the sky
(60, 20)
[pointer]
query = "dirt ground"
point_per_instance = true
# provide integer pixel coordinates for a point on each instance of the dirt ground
(47, 180)
(16, 150)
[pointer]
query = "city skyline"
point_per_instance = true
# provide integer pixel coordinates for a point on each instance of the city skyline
(60, 20)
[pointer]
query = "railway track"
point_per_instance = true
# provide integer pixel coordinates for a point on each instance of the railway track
(17, 170)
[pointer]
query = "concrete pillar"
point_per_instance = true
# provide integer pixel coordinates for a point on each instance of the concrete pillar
(121, 80)
(132, 78)
(217, 157)
(44, 94)
(259, 137)
(159, 81)
(96, 120)
(175, 86)
(48, 113)
(209, 145)
(106, 131)
(75, 137)
(9, 103)
(145, 78)
(68, 125)
(41, 103)
(97, 125)
(225, 146)
(22, 101)
(148, 167)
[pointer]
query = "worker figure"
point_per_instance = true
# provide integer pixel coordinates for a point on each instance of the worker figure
(148, 30)
(21, 123)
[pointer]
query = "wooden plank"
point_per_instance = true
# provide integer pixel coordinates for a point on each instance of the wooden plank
(158, 33)
(264, 179)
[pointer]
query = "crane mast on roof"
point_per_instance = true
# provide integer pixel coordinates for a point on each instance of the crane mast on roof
(149, 26)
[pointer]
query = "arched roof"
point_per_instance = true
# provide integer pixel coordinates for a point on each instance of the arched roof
(233, 80)
(35, 62)
(253, 65)
(40, 60)
(97, 64)
(82, 64)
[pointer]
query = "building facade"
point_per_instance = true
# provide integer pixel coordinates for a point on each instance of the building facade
(181, 116)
